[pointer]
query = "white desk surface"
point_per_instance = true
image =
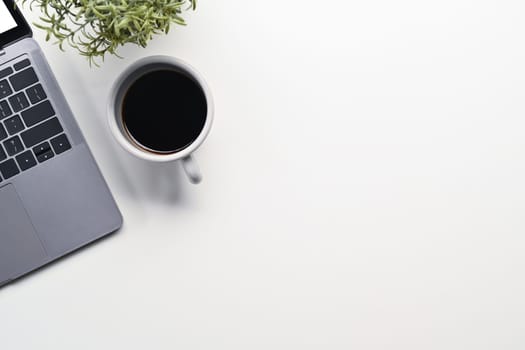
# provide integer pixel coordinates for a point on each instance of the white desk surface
(364, 189)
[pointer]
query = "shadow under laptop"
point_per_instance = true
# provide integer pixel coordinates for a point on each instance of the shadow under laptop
(64, 258)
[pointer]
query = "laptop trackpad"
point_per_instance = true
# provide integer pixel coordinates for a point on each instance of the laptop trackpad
(20, 247)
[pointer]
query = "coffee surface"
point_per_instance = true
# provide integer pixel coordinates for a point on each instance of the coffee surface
(164, 110)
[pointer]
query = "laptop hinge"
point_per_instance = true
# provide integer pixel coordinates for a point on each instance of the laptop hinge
(2, 52)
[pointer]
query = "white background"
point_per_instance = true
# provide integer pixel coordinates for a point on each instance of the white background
(364, 189)
(6, 20)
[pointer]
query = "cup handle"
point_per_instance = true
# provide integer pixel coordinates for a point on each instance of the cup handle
(191, 168)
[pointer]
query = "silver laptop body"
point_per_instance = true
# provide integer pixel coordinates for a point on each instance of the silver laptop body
(53, 198)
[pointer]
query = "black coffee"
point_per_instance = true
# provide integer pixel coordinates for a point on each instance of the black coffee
(164, 110)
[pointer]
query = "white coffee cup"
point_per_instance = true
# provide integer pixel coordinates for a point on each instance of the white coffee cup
(118, 129)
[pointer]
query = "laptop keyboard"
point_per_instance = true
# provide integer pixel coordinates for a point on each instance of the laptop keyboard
(30, 132)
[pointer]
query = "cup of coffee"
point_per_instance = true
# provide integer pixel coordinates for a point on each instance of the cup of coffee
(160, 109)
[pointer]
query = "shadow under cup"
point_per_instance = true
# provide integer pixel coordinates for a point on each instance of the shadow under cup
(161, 108)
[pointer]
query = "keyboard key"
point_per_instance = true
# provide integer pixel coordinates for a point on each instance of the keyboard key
(5, 89)
(22, 64)
(26, 160)
(23, 79)
(13, 145)
(36, 94)
(3, 133)
(18, 102)
(41, 132)
(5, 72)
(5, 110)
(41, 148)
(60, 144)
(2, 154)
(45, 156)
(8, 169)
(14, 125)
(37, 113)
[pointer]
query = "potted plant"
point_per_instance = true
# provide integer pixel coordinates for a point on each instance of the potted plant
(98, 27)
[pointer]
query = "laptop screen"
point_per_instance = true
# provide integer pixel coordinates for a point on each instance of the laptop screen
(13, 26)
(6, 19)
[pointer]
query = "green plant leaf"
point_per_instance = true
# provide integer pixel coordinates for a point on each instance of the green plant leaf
(98, 27)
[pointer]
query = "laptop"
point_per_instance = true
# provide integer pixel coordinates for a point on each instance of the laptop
(53, 198)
